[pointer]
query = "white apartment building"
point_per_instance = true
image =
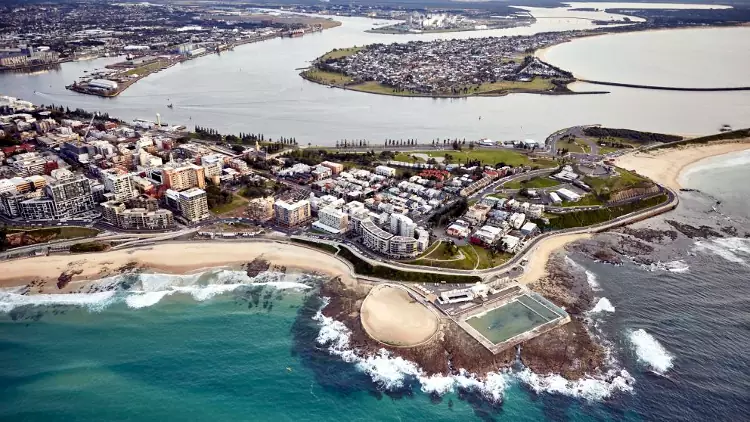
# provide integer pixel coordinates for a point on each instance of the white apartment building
(193, 204)
(385, 171)
(402, 225)
(212, 164)
(120, 185)
(332, 220)
(28, 164)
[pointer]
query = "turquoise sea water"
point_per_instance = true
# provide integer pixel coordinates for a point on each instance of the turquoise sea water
(185, 360)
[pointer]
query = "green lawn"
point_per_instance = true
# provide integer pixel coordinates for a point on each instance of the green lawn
(534, 183)
(407, 157)
(536, 84)
(625, 180)
(144, 70)
(488, 260)
(378, 88)
(574, 146)
(330, 78)
(486, 156)
(471, 254)
(339, 53)
(587, 200)
(63, 232)
(493, 156)
(237, 202)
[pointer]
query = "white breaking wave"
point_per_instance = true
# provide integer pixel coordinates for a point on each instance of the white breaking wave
(392, 372)
(603, 305)
(733, 249)
(588, 388)
(150, 289)
(145, 299)
(590, 277)
(678, 266)
(650, 352)
(92, 301)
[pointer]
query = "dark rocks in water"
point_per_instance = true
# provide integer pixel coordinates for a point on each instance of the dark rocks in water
(256, 266)
(564, 287)
(66, 277)
(650, 235)
(730, 230)
(607, 256)
(568, 350)
(693, 232)
(611, 248)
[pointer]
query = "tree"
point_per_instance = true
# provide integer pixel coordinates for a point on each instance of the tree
(4, 237)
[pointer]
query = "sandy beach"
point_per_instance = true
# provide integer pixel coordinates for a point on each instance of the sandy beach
(536, 267)
(391, 316)
(170, 258)
(665, 165)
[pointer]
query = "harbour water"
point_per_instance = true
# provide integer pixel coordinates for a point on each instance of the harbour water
(256, 89)
(209, 348)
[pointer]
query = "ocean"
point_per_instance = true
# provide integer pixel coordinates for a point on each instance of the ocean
(210, 347)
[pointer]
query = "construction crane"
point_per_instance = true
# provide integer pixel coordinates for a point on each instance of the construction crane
(89, 128)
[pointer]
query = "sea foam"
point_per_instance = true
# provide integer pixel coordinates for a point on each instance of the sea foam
(93, 301)
(733, 249)
(678, 266)
(148, 289)
(650, 352)
(590, 277)
(603, 305)
(393, 372)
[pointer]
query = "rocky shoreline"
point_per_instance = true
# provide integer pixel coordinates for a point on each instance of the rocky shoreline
(568, 351)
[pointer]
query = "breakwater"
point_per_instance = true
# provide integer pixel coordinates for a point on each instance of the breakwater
(667, 88)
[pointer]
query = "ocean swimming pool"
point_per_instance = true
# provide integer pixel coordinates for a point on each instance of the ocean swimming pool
(518, 316)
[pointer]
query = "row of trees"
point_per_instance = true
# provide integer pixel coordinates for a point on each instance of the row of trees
(443, 215)
(243, 138)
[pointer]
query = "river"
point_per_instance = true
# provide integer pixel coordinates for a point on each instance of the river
(257, 89)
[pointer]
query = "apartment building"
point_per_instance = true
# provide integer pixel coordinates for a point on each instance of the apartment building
(65, 198)
(294, 214)
(212, 165)
(120, 184)
(28, 164)
(117, 214)
(193, 204)
(261, 209)
(332, 220)
(184, 177)
(402, 225)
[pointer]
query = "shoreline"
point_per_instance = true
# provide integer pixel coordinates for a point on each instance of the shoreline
(169, 258)
(536, 268)
(500, 93)
(664, 166)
